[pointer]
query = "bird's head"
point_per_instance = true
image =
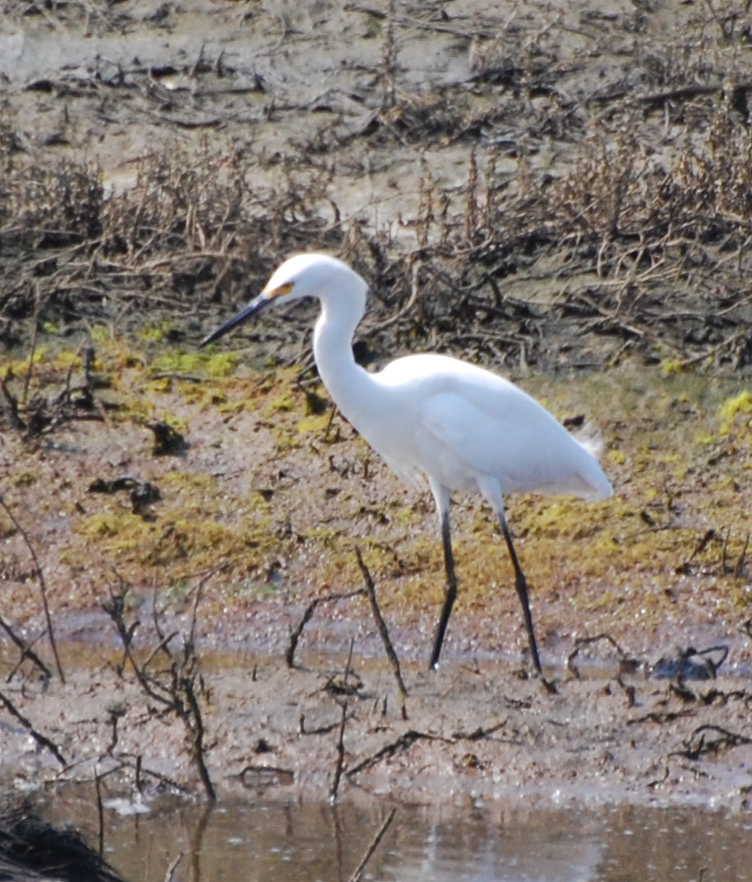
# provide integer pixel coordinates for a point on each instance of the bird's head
(304, 275)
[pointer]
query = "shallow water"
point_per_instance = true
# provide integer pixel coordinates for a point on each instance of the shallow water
(275, 840)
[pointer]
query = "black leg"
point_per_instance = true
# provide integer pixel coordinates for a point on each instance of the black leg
(520, 583)
(450, 590)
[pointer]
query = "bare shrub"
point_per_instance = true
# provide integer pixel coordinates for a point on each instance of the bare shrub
(52, 206)
(188, 226)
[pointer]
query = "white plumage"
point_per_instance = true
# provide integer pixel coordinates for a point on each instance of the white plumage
(461, 426)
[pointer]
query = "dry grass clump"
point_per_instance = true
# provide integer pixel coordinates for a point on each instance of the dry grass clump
(605, 211)
(623, 187)
(189, 226)
(637, 246)
(179, 204)
(635, 240)
(49, 207)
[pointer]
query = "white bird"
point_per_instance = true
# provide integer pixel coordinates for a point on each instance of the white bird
(463, 427)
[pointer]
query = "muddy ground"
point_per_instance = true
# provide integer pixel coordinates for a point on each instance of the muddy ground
(560, 193)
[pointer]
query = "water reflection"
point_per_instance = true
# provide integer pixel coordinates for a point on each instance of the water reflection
(311, 841)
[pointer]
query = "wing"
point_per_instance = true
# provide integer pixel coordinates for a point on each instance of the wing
(471, 422)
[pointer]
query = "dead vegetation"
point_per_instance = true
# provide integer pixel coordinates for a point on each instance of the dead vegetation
(176, 242)
(627, 252)
(635, 242)
(176, 686)
(32, 849)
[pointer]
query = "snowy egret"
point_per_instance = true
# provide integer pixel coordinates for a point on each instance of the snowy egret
(461, 426)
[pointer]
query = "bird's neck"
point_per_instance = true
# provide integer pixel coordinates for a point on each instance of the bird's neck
(332, 348)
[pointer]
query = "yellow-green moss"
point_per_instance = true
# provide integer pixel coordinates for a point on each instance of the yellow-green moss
(15, 367)
(673, 366)
(217, 364)
(313, 424)
(732, 407)
(284, 401)
(156, 333)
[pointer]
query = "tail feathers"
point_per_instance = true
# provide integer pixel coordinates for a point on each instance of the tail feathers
(595, 483)
(591, 440)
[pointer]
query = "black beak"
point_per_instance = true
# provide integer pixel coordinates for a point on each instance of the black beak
(256, 305)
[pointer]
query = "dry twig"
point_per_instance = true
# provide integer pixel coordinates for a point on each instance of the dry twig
(42, 586)
(41, 739)
(357, 874)
(383, 631)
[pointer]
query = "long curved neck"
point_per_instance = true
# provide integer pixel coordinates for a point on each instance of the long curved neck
(332, 349)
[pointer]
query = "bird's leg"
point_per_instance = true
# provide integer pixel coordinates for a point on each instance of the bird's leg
(450, 592)
(520, 583)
